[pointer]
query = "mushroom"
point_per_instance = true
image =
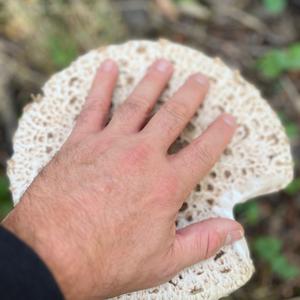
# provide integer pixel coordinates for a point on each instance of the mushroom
(258, 160)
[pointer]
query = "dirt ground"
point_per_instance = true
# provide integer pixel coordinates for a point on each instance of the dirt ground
(38, 38)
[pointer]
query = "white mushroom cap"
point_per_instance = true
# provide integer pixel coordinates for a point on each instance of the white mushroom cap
(258, 160)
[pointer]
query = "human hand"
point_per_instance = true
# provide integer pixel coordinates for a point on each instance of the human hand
(102, 213)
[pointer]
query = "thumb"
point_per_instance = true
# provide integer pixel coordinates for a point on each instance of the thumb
(202, 240)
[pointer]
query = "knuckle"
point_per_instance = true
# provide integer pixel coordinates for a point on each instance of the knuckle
(83, 116)
(204, 154)
(141, 150)
(177, 110)
(154, 78)
(137, 155)
(210, 243)
(93, 103)
(137, 104)
(87, 110)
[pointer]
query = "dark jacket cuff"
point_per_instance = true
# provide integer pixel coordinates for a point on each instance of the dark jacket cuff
(23, 275)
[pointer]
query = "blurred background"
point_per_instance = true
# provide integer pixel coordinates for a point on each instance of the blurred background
(261, 38)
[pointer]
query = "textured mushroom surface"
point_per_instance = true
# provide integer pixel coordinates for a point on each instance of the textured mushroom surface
(258, 160)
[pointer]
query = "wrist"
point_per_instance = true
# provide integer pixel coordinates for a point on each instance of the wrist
(51, 240)
(34, 232)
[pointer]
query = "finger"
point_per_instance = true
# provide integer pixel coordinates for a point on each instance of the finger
(194, 161)
(131, 115)
(202, 240)
(95, 110)
(167, 124)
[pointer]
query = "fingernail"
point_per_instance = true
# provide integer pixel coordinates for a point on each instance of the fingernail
(229, 120)
(163, 65)
(107, 65)
(202, 79)
(233, 236)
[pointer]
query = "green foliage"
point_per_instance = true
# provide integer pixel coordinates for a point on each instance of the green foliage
(284, 269)
(272, 64)
(276, 61)
(3, 188)
(293, 57)
(249, 212)
(5, 199)
(62, 50)
(275, 6)
(294, 187)
(269, 250)
(291, 128)
(267, 247)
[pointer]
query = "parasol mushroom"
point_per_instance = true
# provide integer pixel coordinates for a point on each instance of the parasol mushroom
(258, 160)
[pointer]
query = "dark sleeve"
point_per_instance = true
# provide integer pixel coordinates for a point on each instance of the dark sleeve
(23, 275)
